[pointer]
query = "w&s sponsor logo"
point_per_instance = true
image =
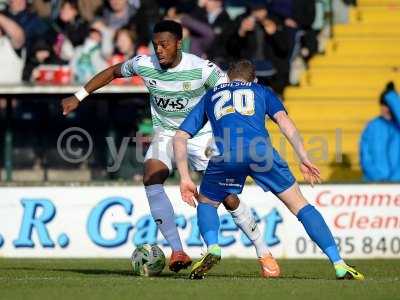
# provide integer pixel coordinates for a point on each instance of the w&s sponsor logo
(170, 104)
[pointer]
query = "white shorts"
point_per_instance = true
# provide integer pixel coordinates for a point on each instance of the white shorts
(199, 151)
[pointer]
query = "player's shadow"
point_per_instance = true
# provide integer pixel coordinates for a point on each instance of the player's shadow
(96, 271)
(256, 276)
(80, 271)
(169, 275)
(117, 272)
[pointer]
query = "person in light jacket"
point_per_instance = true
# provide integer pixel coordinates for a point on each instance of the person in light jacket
(380, 141)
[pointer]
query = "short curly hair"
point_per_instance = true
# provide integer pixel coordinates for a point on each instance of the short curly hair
(169, 26)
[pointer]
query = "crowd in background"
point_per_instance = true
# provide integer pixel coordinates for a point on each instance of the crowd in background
(68, 41)
(87, 36)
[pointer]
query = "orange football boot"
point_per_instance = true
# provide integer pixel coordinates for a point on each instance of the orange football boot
(269, 267)
(179, 260)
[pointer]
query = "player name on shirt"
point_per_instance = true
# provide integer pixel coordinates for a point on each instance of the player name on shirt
(232, 84)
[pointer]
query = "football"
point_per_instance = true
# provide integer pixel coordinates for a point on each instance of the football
(147, 260)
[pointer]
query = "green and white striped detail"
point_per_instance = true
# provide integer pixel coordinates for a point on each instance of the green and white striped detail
(181, 94)
(212, 80)
(174, 92)
(195, 74)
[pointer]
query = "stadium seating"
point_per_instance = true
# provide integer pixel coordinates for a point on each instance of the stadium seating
(339, 93)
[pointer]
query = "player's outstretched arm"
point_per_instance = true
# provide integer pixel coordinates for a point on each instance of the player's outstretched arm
(310, 172)
(187, 187)
(101, 79)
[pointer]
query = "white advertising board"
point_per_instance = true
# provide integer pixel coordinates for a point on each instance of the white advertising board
(110, 221)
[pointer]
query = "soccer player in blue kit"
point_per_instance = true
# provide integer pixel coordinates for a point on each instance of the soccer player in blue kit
(237, 112)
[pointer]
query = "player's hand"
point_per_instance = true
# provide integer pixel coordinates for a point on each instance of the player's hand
(189, 192)
(310, 172)
(291, 23)
(247, 25)
(172, 14)
(270, 27)
(69, 104)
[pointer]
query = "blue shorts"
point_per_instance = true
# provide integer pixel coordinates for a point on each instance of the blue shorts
(223, 178)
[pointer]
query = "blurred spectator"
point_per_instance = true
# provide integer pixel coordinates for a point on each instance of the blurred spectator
(322, 11)
(34, 27)
(139, 19)
(259, 38)
(380, 141)
(197, 36)
(50, 9)
(125, 43)
(42, 54)
(118, 13)
(126, 47)
(144, 20)
(89, 9)
(298, 15)
(42, 8)
(12, 39)
(217, 17)
(107, 38)
(88, 58)
(70, 30)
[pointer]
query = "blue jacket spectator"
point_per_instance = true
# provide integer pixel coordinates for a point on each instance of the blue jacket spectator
(380, 142)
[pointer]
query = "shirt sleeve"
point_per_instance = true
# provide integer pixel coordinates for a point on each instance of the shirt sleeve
(273, 103)
(196, 119)
(130, 67)
(214, 75)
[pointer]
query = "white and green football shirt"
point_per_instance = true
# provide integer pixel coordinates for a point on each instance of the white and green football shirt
(174, 92)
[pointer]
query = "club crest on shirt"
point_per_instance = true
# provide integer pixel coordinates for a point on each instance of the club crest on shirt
(186, 86)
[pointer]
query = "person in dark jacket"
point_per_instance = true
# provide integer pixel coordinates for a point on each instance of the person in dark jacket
(70, 24)
(298, 16)
(259, 37)
(380, 141)
(69, 30)
(42, 54)
(214, 14)
(34, 27)
(197, 35)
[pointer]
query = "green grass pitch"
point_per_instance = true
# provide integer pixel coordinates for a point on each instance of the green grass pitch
(231, 279)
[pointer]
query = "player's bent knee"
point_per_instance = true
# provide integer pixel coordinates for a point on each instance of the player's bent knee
(151, 180)
(231, 202)
(155, 172)
(293, 199)
(154, 178)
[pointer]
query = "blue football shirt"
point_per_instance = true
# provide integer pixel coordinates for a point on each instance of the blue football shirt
(237, 112)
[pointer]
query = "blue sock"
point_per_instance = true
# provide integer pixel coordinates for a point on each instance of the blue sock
(163, 214)
(319, 232)
(208, 222)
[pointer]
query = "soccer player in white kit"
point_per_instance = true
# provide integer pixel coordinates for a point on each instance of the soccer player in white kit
(176, 82)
